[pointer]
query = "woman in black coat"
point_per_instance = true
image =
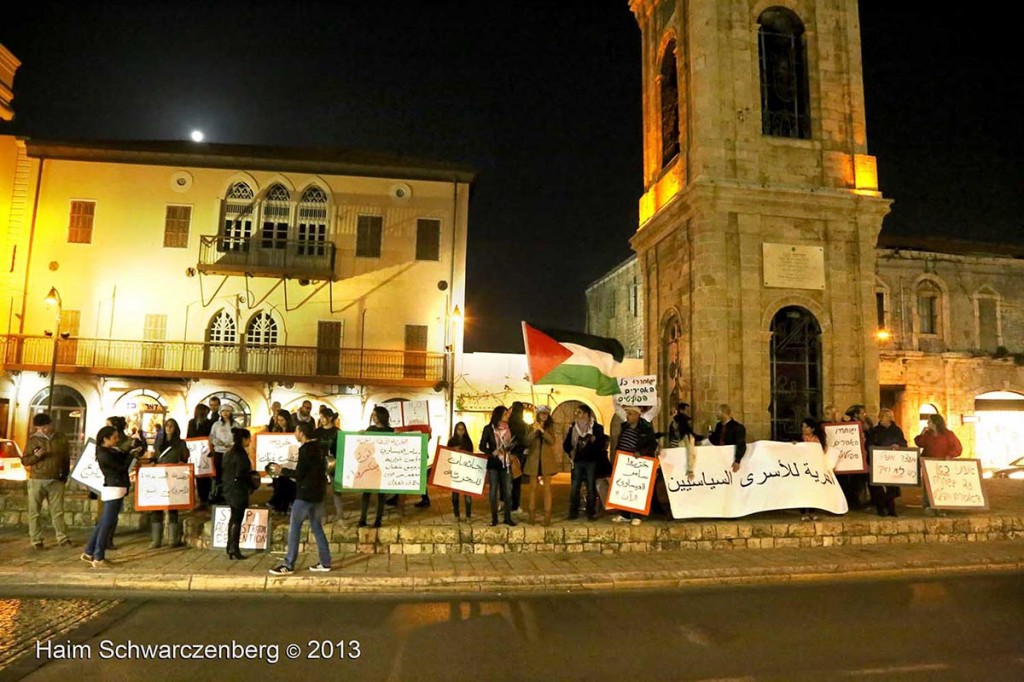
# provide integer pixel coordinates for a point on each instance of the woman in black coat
(238, 481)
(498, 442)
(885, 434)
(115, 466)
(172, 451)
(460, 440)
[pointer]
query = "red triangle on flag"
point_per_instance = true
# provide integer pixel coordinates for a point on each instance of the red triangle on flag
(542, 352)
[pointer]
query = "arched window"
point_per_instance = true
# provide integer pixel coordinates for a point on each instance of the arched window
(312, 227)
(222, 330)
(277, 213)
(238, 218)
(67, 413)
(669, 81)
(262, 331)
(929, 307)
(782, 54)
(795, 371)
(673, 389)
(241, 414)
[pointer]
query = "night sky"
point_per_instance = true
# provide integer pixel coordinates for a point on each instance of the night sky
(542, 98)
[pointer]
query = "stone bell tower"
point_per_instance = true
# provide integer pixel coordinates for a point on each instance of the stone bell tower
(757, 228)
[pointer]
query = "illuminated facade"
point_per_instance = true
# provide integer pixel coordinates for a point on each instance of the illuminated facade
(260, 274)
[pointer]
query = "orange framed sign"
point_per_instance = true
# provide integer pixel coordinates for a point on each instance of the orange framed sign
(165, 487)
(632, 483)
(459, 471)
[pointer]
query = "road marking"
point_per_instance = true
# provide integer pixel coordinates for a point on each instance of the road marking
(695, 635)
(919, 668)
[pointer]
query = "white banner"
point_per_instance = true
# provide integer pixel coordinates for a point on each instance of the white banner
(460, 471)
(895, 467)
(164, 486)
(255, 528)
(772, 475)
(87, 469)
(279, 448)
(199, 457)
(954, 483)
(385, 462)
(640, 391)
(844, 442)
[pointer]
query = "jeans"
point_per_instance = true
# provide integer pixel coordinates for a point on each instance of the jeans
(499, 478)
(365, 508)
(52, 491)
(97, 545)
(455, 504)
(583, 471)
(315, 512)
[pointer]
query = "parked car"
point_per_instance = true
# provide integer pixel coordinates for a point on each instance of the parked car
(1014, 470)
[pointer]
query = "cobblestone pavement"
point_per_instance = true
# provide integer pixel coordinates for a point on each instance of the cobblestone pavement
(24, 621)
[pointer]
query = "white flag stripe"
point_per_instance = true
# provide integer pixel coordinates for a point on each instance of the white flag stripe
(581, 355)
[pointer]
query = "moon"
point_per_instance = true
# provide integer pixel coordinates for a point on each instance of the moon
(197, 136)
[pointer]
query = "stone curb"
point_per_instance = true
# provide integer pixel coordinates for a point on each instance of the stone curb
(127, 583)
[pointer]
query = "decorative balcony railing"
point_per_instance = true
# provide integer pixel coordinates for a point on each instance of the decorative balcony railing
(264, 255)
(195, 359)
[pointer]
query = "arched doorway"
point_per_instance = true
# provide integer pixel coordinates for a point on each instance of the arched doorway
(143, 409)
(242, 415)
(563, 416)
(68, 413)
(795, 371)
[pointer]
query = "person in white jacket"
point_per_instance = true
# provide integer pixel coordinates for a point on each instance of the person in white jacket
(221, 440)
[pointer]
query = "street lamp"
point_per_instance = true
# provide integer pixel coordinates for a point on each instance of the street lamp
(53, 298)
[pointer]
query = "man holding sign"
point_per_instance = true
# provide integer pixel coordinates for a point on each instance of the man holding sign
(885, 434)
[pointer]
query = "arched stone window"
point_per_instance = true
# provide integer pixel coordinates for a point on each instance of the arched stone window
(669, 82)
(277, 214)
(67, 413)
(238, 218)
(312, 222)
(782, 55)
(222, 330)
(261, 331)
(795, 371)
(241, 414)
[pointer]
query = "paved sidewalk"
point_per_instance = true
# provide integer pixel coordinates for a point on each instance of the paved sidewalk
(137, 568)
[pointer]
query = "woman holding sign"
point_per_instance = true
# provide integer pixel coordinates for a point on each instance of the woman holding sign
(115, 466)
(498, 443)
(885, 434)
(173, 451)
(460, 440)
(937, 442)
(380, 422)
(541, 461)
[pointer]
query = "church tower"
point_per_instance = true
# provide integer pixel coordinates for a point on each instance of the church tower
(761, 210)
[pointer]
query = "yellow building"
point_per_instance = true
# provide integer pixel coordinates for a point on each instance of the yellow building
(259, 274)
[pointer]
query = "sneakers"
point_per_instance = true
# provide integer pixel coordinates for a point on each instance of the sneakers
(620, 519)
(283, 569)
(319, 568)
(87, 558)
(102, 563)
(635, 521)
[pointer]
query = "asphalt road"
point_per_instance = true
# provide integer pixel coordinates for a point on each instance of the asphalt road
(943, 629)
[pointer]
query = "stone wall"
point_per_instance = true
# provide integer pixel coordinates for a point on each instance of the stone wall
(615, 307)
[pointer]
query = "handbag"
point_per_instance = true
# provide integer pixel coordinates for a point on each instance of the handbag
(515, 467)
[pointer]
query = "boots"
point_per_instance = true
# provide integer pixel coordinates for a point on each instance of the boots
(234, 532)
(156, 530)
(174, 538)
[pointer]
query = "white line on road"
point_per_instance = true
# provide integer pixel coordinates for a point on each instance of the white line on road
(918, 668)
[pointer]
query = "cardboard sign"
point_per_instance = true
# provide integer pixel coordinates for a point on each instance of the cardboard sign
(897, 467)
(459, 471)
(199, 457)
(632, 483)
(381, 462)
(255, 528)
(954, 483)
(408, 413)
(844, 442)
(642, 390)
(279, 448)
(87, 469)
(772, 475)
(165, 487)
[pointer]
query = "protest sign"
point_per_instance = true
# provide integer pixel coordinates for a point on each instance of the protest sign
(164, 487)
(954, 483)
(381, 462)
(459, 471)
(255, 528)
(199, 457)
(279, 448)
(844, 442)
(87, 469)
(772, 475)
(404, 414)
(632, 483)
(895, 467)
(642, 390)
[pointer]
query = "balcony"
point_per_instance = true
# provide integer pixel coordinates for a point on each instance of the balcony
(264, 256)
(112, 357)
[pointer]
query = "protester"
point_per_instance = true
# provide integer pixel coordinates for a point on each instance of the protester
(159, 435)
(326, 435)
(199, 427)
(937, 442)
(460, 440)
(48, 455)
(221, 441)
(728, 431)
(855, 486)
(283, 488)
(310, 476)
(636, 436)
(130, 446)
(586, 445)
(214, 414)
(811, 432)
(829, 415)
(275, 407)
(541, 461)
(681, 426)
(239, 480)
(885, 434)
(115, 466)
(304, 415)
(498, 442)
(520, 430)
(380, 422)
(174, 451)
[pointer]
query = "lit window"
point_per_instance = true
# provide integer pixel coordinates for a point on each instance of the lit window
(262, 331)
(312, 227)
(176, 225)
(222, 330)
(238, 211)
(277, 208)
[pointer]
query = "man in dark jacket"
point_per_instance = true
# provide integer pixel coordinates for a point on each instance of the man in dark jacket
(728, 431)
(310, 474)
(49, 456)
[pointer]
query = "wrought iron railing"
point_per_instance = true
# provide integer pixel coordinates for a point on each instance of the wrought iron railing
(264, 253)
(196, 359)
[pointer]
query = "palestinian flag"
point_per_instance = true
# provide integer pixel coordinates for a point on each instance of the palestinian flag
(572, 359)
